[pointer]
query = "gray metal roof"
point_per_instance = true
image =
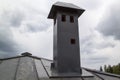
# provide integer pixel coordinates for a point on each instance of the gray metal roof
(68, 7)
(27, 67)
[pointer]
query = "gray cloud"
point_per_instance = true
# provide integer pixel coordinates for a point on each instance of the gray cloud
(89, 44)
(97, 59)
(12, 18)
(110, 24)
(91, 4)
(40, 25)
(16, 19)
(36, 20)
(7, 45)
(8, 19)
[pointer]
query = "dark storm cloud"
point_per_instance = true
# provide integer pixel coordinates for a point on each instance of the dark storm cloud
(8, 19)
(7, 45)
(7, 48)
(110, 24)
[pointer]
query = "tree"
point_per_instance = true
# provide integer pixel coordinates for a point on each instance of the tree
(115, 69)
(101, 68)
(110, 69)
(105, 68)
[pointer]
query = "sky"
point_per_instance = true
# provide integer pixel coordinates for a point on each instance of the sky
(24, 27)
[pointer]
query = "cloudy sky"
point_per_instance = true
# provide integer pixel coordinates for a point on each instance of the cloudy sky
(24, 27)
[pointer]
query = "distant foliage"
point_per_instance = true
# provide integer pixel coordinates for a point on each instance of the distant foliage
(101, 68)
(115, 69)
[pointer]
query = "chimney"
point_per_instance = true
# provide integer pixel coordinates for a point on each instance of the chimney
(66, 49)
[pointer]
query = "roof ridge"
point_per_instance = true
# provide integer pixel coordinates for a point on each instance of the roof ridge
(24, 56)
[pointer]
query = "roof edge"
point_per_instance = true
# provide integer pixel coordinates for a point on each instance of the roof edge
(35, 57)
(104, 73)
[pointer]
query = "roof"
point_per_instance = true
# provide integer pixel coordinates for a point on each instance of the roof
(28, 67)
(60, 6)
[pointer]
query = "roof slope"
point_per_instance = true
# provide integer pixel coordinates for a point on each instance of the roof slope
(27, 67)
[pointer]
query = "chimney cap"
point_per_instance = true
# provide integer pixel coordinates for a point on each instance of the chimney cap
(64, 7)
(26, 54)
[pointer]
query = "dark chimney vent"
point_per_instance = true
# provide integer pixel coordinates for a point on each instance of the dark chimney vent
(26, 54)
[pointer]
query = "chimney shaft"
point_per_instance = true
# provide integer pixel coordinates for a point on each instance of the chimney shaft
(66, 53)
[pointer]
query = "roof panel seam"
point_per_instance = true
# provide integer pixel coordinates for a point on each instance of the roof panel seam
(17, 69)
(44, 68)
(35, 69)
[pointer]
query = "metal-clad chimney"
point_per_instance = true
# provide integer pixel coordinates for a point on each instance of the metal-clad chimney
(66, 50)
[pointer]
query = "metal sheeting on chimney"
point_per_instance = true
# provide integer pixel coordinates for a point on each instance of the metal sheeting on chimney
(66, 49)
